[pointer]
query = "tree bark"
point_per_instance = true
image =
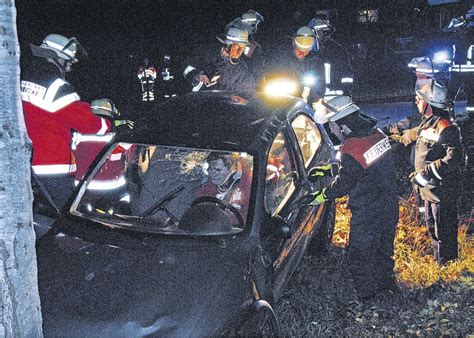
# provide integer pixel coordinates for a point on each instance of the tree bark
(20, 312)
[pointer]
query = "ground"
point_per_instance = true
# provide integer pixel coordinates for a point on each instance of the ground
(320, 299)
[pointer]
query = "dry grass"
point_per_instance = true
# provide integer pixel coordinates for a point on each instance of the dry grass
(415, 265)
(434, 300)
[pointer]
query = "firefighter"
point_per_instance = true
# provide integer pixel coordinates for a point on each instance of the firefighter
(87, 147)
(147, 76)
(338, 72)
(462, 76)
(438, 160)
(226, 70)
(299, 62)
(253, 53)
(366, 174)
(168, 84)
(52, 109)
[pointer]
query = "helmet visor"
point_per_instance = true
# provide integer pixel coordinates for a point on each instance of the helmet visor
(304, 43)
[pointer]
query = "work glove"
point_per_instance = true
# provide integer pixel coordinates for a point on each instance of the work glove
(420, 179)
(314, 198)
(315, 173)
(128, 123)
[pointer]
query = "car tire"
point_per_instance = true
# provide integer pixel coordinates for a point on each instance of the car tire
(319, 244)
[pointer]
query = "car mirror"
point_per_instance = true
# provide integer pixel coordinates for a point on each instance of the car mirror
(279, 227)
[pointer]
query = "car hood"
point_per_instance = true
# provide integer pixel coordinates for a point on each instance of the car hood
(97, 289)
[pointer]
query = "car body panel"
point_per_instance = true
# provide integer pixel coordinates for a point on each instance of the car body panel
(97, 277)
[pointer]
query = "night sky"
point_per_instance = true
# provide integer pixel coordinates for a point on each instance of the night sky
(119, 34)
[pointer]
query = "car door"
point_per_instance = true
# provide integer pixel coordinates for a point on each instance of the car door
(293, 151)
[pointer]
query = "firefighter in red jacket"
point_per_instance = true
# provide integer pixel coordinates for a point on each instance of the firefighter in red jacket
(438, 160)
(52, 110)
(366, 174)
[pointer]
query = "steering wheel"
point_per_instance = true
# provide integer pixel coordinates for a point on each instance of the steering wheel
(224, 205)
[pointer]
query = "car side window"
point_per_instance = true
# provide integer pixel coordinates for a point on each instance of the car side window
(308, 136)
(279, 182)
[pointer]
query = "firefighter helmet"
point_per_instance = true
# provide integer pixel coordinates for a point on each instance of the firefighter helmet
(57, 46)
(304, 39)
(322, 28)
(334, 109)
(104, 107)
(251, 19)
(433, 92)
(234, 35)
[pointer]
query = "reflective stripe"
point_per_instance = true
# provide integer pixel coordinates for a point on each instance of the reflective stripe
(421, 209)
(421, 180)
(347, 80)
(435, 172)
(115, 157)
(462, 68)
(427, 70)
(125, 198)
(106, 185)
(44, 97)
(430, 135)
(377, 150)
(469, 55)
(104, 128)
(327, 72)
(470, 108)
(188, 69)
(236, 39)
(52, 169)
(321, 26)
(78, 138)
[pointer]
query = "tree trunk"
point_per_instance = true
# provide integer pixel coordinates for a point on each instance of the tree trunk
(20, 314)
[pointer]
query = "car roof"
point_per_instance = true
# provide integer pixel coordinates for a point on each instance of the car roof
(212, 119)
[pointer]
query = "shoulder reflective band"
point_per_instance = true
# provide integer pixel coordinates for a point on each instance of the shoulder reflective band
(429, 135)
(44, 97)
(377, 150)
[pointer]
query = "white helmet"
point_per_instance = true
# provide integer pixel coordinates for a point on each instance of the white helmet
(234, 35)
(251, 19)
(433, 92)
(104, 107)
(322, 28)
(334, 109)
(57, 46)
(304, 39)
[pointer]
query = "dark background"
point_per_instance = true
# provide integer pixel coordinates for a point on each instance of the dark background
(119, 34)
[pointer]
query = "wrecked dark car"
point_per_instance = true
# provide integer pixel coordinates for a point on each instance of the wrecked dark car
(199, 227)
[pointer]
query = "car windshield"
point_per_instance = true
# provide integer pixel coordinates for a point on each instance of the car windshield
(171, 190)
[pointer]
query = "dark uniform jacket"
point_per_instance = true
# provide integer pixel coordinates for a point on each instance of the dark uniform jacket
(232, 77)
(438, 155)
(255, 59)
(367, 175)
(311, 65)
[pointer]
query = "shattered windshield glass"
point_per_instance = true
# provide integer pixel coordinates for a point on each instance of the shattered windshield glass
(171, 190)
